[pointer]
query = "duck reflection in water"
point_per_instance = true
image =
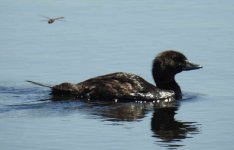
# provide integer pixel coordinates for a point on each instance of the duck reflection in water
(131, 111)
(169, 131)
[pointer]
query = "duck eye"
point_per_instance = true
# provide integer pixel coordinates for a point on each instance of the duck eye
(176, 59)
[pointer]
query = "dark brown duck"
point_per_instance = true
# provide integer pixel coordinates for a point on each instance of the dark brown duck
(130, 87)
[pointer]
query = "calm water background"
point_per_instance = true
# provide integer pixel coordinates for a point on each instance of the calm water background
(99, 37)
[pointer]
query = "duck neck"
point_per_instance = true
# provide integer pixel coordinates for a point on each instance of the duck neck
(167, 82)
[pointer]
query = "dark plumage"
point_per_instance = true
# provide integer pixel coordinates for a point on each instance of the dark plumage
(127, 87)
(166, 65)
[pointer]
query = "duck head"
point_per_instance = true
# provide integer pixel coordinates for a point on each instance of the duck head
(166, 65)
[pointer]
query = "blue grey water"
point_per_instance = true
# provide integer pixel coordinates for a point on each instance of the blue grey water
(100, 37)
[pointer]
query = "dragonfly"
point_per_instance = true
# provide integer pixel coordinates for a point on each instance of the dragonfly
(52, 20)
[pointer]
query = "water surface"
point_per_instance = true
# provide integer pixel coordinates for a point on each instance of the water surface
(99, 37)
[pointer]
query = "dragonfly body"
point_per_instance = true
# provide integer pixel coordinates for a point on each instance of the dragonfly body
(52, 20)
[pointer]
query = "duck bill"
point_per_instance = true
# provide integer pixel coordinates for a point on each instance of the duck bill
(191, 66)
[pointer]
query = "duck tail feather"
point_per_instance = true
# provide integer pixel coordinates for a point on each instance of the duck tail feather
(40, 84)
